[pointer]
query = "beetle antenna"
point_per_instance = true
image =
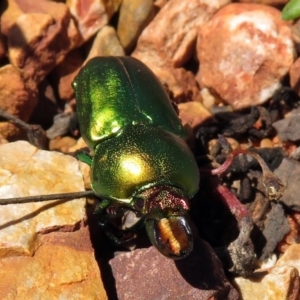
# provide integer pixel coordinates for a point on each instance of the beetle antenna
(41, 198)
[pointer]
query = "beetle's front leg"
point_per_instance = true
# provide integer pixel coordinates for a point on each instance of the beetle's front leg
(85, 158)
(103, 212)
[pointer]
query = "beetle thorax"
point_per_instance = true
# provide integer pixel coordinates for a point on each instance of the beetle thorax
(163, 199)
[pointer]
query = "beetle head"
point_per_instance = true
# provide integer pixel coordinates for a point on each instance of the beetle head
(164, 209)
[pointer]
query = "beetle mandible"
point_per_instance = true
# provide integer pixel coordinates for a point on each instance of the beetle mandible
(141, 162)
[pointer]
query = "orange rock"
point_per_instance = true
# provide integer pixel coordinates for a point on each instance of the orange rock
(278, 283)
(92, 15)
(169, 39)
(135, 15)
(295, 76)
(27, 171)
(167, 43)
(2, 47)
(38, 35)
(62, 267)
(62, 144)
(193, 113)
(64, 73)
(18, 97)
(244, 59)
(45, 249)
(106, 43)
(266, 2)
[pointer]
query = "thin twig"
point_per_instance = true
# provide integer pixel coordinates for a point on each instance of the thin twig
(35, 133)
(40, 198)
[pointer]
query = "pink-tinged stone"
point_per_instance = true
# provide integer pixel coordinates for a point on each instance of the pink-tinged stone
(62, 267)
(39, 35)
(280, 283)
(146, 274)
(169, 39)
(106, 43)
(92, 15)
(266, 2)
(242, 59)
(27, 171)
(18, 97)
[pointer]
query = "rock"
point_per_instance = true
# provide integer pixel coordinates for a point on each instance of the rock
(106, 43)
(62, 144)
(170, 38)
(47, 106)
(180, 84)
(134, 17)
(193, 113)
(65, 72)
(18, 97)
(46, 242)
(288, 129)
(63, 267)
(2, 47)
(39, 35)
(236, 53)
(92, 15)
(62, 124)
(166, 51)
(276, 226)
(27, 171)
(295, 76)
(266, 2)
(291, 257)
(146, 274)
(266, 143)
(293, 235)
(280, 283)
(289, 174)
(160, 3)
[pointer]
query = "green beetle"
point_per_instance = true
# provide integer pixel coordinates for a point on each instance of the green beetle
(141, 162)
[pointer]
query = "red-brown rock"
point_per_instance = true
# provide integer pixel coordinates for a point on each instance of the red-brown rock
(39, 35)
(62, 267)
(241, 58)
(65, 72)
(92, 15)
(168, 42)
(170, 38)
(146, 274)
(17, 97)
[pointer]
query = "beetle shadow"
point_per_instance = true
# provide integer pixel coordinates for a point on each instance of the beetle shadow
(202, 268)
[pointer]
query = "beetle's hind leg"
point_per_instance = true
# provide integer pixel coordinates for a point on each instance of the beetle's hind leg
(105, 214)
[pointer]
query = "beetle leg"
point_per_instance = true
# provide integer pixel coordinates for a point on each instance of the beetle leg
(103, 220)
(84, 157)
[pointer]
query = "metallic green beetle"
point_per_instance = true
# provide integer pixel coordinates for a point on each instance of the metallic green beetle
(141, 162)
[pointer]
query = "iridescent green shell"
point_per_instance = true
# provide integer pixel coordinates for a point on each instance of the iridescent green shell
(115, 92)
(138, 140)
